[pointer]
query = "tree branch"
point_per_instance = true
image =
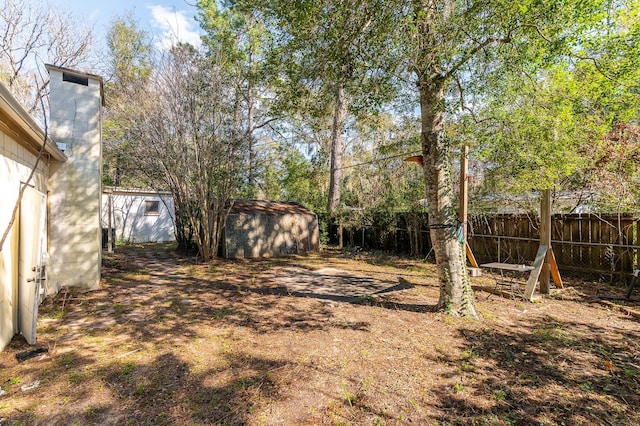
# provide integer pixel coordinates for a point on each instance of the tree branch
(266, 123)
(476, 49)
(463, 105)
(596, 66)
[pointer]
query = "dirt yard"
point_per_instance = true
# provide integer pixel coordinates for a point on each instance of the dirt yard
(325, 340)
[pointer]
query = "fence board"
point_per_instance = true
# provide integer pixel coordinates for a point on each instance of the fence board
(600, 244)
(607, 245)
(628, 258)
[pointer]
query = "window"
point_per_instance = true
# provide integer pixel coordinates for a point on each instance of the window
(72, 78)
(151, 208)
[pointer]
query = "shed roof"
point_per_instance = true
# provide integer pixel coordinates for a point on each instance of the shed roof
(119, 190)
(263, 207)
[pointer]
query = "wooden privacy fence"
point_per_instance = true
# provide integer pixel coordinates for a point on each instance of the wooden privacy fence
(598, 244)
(601, 244)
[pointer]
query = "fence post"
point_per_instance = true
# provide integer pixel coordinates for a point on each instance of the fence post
(545, 239)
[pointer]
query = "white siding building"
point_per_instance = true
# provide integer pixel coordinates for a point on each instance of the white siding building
(138, 215)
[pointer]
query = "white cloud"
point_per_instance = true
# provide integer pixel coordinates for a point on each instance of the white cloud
(174, 26)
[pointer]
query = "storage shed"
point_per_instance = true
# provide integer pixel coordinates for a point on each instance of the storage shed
(138, 215)
(269, 228)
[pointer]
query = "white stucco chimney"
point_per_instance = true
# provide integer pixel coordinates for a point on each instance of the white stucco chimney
(75, 187)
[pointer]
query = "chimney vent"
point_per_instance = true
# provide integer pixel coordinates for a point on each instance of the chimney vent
(71, 78)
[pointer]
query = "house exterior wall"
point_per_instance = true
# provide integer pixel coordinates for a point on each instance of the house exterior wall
(16, 163)
(60, 199)
(255, 235)
(131, 220)
(76, 185)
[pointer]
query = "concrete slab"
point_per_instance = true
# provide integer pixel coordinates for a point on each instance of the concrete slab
(336, 284)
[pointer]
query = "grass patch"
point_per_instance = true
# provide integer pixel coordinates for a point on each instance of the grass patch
(552, 333)
(466, 361)
(75, 378)
(499, 395)
(124, 369)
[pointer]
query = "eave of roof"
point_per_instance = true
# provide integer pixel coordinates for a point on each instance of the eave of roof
(132, 191)
(23, 127)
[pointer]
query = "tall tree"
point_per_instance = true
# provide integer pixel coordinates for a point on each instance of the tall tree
(234, 38)
(450, 44)
(560, 129)
(536, 134)
(129, 62)
(185, 137)
(129, 66)
(338, 48)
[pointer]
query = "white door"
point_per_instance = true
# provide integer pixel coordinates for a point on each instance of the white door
(31, 241)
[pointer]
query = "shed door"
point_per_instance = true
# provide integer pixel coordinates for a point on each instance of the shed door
(32, 225)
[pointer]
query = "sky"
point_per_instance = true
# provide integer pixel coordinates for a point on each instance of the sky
(166, 20)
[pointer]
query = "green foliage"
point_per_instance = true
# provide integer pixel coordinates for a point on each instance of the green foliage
(300, 180)
(129, 69)
(272, 187)
(613, 172)
(330, 66)
(292, 176)
(536, 135)
(323, 42)
(234, 40)
(129, 54)
(545, 126)
(538, 88)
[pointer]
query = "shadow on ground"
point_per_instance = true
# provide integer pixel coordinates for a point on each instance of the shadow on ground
(167, 341)
(549, 371)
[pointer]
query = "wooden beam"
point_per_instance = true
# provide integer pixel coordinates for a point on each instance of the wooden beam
(535, 273)
(464, 190)
(555, 273)
(463, 212)
(545, 239)
(470, 256)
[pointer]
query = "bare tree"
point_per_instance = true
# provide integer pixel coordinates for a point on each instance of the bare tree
(184, 140)
(31, 34)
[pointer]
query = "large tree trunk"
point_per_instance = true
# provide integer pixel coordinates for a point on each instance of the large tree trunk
(252, 149)
(456, 295)
(339, 114)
